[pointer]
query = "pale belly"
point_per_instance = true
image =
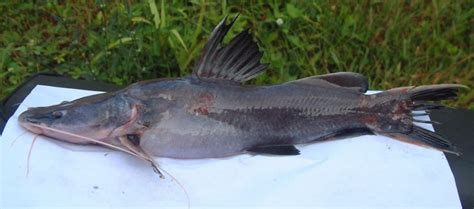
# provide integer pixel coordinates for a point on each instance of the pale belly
(191, 136)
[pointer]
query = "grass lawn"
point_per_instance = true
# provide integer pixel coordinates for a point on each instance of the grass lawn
(393, 43)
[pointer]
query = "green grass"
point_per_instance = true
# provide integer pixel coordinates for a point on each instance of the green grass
(393, 43)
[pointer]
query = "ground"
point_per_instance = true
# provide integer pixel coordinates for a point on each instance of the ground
(393, 43)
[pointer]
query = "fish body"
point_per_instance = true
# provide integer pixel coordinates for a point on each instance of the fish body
(211, 114)
(214, 119)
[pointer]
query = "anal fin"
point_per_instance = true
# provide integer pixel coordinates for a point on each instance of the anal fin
(275, 150)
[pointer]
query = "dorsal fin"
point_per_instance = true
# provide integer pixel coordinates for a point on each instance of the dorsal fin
(237, 61)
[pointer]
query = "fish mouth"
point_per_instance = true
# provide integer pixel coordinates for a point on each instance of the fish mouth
(32, 127)
(29, 123)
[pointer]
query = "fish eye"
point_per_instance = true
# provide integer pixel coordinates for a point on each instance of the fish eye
(57, 114)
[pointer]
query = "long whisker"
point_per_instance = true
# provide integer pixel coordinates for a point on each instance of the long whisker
(89, 139)
(180, 185)
(29, 155)
(113, 147)
(16, 138)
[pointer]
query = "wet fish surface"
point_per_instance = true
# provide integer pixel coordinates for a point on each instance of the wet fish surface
(212, 114)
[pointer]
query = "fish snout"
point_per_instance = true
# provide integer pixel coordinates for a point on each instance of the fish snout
(29, 123)
(34, 117)
(24, 117)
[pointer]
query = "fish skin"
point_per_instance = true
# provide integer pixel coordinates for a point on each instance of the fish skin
(211, 114)
(215, 119)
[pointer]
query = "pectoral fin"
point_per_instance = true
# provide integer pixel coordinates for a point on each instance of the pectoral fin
(133, 144)
(275, 150)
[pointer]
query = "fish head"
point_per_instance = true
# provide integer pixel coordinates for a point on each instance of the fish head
(96, 116)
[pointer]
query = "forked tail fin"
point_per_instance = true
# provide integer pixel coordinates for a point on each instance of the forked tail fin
(433, 140)
(396, 119)
(422, 95)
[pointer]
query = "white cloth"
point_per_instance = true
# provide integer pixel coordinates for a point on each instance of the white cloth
(359, 172)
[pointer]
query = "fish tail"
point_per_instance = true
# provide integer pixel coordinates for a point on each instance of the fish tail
(397, 109)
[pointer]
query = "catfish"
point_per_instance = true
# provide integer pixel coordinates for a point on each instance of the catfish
(212, 114)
